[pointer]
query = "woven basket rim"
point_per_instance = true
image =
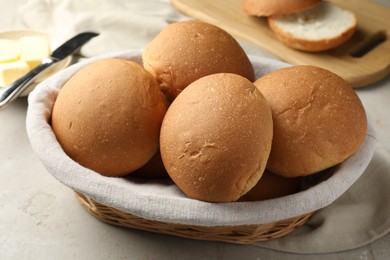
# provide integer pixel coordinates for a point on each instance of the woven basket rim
(243, 234)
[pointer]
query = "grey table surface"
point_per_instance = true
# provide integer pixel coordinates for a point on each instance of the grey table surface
(41, 219)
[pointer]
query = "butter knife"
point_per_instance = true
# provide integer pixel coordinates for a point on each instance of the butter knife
(12, 91)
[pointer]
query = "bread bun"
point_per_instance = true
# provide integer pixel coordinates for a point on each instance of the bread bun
(154, 168)
(107, 116)
(216, 137)
(276, 7)
(322, 27)
(186, 51)
(272, 186)
(319, 121)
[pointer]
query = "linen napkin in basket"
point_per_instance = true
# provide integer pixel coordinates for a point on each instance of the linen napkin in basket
(358, 217)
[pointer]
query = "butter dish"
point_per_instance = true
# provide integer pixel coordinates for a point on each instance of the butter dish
(21, 53)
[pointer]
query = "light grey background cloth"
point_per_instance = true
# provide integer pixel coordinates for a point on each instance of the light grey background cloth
(356, 218)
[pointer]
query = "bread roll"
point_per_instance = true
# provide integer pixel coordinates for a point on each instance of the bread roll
(186, 51)
(216, 137)
(322, 27)
(272, 186)
(107, 116)
(276, 7)
(319, 121)
(154, 168)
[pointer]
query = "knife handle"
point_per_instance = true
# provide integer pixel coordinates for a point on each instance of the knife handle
(12, 91)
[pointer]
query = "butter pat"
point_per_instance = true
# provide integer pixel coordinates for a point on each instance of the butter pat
(11, 71)
(33, 49)
(9, 50)
(18, 57)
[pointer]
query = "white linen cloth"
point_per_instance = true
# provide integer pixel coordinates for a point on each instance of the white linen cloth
(122, 25)
(356, 218)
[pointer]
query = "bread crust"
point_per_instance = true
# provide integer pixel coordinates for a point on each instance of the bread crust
(319, 121)
(272, 186)
(186, 51)
(276, 7)
(216, 137)
(154, 168)
(311, 45)
(107, 116)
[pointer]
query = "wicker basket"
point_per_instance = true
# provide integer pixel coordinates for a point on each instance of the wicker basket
(155, 208)
(244, 234)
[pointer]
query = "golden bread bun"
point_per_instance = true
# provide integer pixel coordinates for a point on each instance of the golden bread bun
(186, 51)
(272, 186)
(319, 121)
(276, 7)
(154, 168)
(323, 27)
(216, 137)
(107, 116)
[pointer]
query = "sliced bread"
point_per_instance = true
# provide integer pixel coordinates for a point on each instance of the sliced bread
(276, 7)
(322, 27)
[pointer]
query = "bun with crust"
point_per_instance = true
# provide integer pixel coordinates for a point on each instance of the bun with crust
(319, 121)
(272, 186)
(216, 138)
(322, 27)
(276, 7)
(107, 116)
(186, 51)
(154, 168)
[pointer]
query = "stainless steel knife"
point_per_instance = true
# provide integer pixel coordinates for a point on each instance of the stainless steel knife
(12, 91)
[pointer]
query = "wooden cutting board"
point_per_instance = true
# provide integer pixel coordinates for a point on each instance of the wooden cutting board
(350, 60)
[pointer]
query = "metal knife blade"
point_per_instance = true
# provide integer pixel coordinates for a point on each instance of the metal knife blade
(12, 91)
(72, 45)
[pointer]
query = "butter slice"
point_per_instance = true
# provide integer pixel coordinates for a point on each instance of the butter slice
(33, 49)
(9, 50)
(11, 71)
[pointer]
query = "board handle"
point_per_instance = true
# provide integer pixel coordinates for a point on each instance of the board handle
(368, 44)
